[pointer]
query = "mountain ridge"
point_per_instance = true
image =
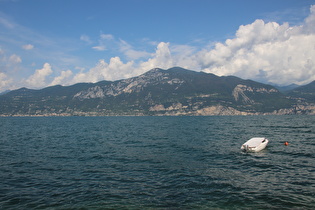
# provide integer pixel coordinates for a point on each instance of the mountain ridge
(175, 91)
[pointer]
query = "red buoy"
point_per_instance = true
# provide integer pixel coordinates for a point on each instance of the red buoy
(286, 143)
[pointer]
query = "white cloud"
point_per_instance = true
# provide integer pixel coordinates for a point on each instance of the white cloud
(62, 79)
(104, 39)
(162, 58)
(113, 70)
(117, 69)
(86, 39)
(5, 82)
(38, 79)
(28, 47)
(130, 53)
(264, 51)
(15, 59)
(185, 56)
(309, 26)
(99, 48)
(16, 38)
(10, 64)
(106, 36)
(268, 52)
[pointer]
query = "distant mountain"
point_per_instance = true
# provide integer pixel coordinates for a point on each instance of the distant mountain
(305, 92)
(4, 92)
(286, 88)
(175, 91)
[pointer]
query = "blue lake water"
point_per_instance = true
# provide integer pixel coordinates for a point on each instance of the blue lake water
(156, 163)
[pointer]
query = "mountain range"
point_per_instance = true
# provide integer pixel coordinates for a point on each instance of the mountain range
(175, 91)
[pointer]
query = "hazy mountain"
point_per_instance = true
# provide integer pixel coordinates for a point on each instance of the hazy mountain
(285, 88)
(4, 92)
(175, 91)
(305, 92)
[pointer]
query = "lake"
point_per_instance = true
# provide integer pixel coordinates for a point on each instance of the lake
(156, 163)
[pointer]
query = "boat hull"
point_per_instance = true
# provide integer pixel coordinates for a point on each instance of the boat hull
(255, 144)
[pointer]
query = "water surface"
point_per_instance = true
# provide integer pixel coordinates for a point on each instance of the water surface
(156, 163)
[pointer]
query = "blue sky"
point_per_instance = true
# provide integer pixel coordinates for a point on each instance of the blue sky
(50, 42)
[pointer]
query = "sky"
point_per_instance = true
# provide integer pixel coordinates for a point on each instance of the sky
(63, 42)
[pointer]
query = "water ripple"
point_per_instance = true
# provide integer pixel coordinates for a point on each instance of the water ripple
(156, 163)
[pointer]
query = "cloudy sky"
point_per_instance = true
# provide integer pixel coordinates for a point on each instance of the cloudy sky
(50, 42)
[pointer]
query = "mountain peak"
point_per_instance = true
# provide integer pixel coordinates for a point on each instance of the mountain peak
(152, 72)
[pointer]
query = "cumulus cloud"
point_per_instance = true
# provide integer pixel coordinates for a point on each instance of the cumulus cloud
(268, 52)
(62, 79)
(162, 58)
(113, 70)
(38, 79)
(5, 81)
(264, 51)
(117, 69)
(185, 56)
(28, 47)
(309, 26)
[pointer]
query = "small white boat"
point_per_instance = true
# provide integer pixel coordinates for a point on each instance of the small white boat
(255, 144)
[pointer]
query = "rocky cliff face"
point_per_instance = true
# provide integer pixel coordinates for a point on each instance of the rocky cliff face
(158, 92)
(132, 85)
(239, 92)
